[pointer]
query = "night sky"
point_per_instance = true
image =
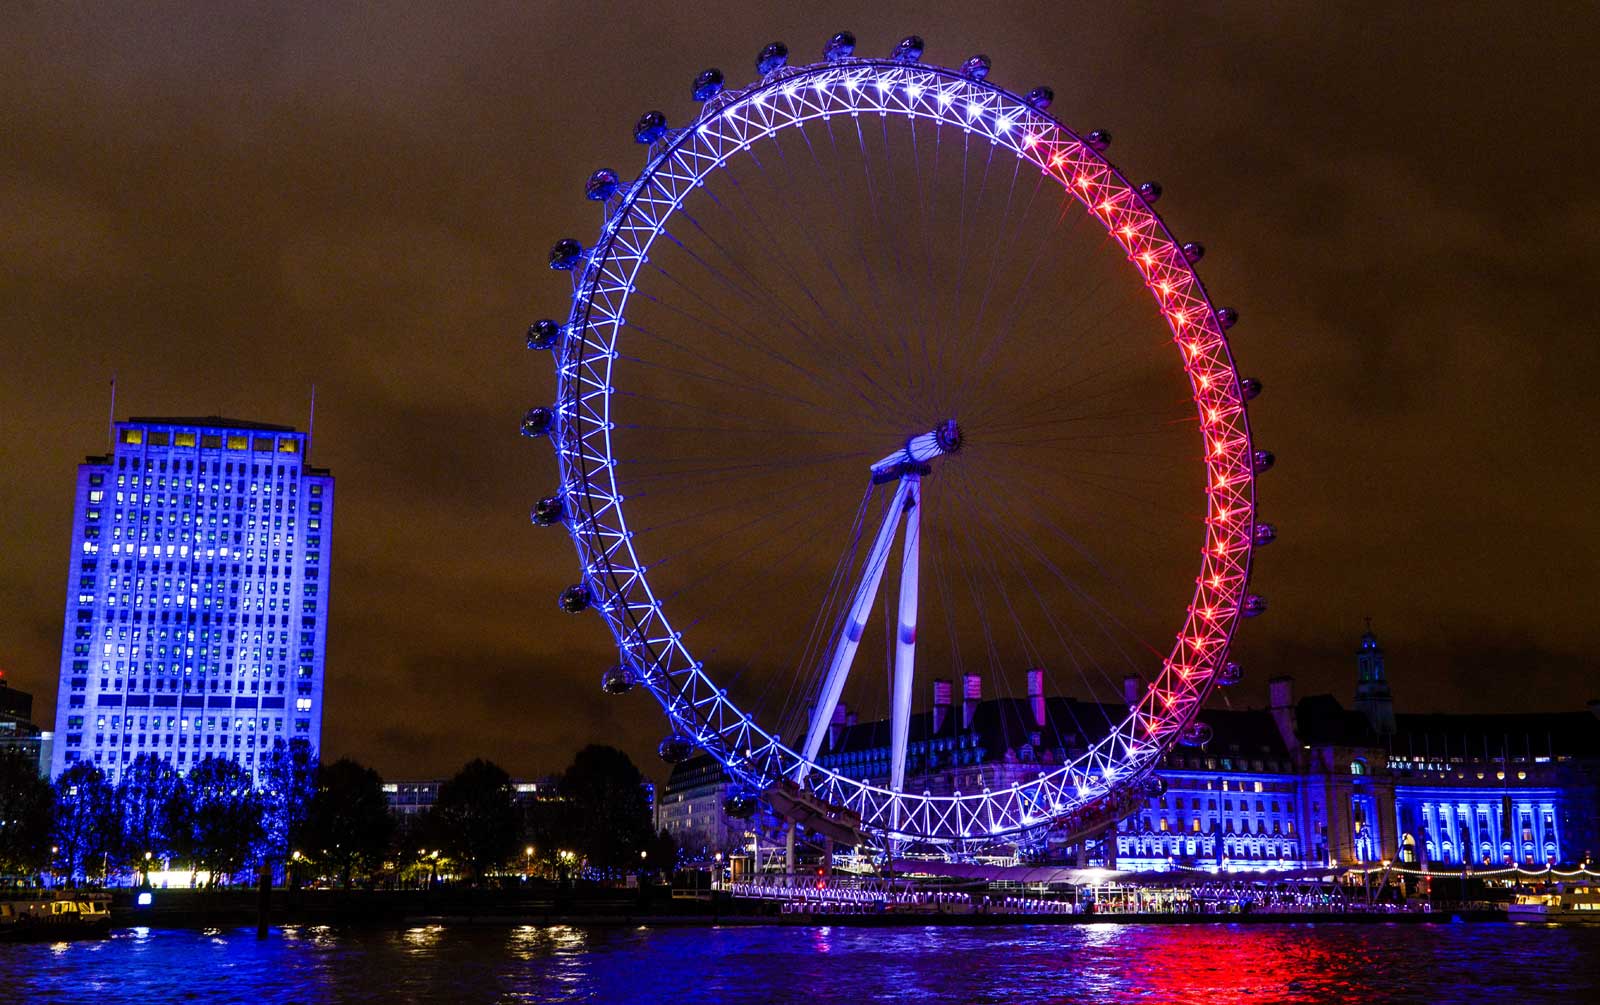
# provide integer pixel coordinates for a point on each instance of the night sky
(224, 206)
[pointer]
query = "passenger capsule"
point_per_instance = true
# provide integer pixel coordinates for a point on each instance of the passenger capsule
(601, 185)
(675, 748)
(840, 46)
(575, 598)
(537, 422)
(543, 334)
(976, 68)
(707, 85)
(1264, 460)
(547, 511)
(1040, 97)
(908, 50)
(740, 805)
(1230, 674)
(1253, 606)
(617, 680)
(1249, 387)
(1153, 787)
(564, 257)
(1227, 317)
(1196, 734)
(1264, 534)
(650, 127)
(1193, 251)
(1099, 139)
(1150, 191)
(771, 57)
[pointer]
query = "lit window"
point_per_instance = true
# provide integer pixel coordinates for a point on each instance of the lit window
(133, 436)
(184, 440)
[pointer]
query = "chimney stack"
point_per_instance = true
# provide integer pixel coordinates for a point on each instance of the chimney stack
(971, 694)
(1036, 696)
(942, 692)
(1132, 690)
(1280, 692)
(836, 725)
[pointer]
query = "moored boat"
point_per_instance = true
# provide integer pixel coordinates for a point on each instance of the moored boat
(68, 914)
(1563, 902)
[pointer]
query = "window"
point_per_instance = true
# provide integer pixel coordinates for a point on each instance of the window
(184, 440)
(287, 446)
(1358, 767)
(238, 442)
(133, 436)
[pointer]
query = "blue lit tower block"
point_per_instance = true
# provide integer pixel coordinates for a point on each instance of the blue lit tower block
(197, 596)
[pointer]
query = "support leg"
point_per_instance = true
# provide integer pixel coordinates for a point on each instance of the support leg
(844, 649)
(905, 649)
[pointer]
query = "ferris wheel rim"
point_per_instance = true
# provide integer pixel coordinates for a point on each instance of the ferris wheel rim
(694, 701)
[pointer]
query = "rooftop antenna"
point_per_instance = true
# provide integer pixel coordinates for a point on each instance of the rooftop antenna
(311, 424)
(111, 424)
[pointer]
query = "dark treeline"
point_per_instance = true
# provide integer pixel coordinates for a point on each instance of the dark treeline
(309, 821)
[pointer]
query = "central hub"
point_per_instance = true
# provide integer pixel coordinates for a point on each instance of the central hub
(914, 457)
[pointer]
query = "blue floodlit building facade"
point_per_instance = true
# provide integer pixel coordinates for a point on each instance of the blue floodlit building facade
(197, 596)
(1300, 784)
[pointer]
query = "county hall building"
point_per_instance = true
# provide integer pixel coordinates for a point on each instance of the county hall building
(1302, 783)
(197, 596)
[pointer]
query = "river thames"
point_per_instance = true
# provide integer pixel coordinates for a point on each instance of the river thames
(1213, 964)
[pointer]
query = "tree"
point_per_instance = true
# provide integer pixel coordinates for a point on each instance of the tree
(414, 844)
(664, 854)
(477, 818)
(86, 828)
(27, 808)
(225, 818)
(152, 801)
(348, 823)
(606, 815)
(289, 777)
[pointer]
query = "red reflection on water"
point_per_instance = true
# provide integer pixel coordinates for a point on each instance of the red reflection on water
(1217, 965)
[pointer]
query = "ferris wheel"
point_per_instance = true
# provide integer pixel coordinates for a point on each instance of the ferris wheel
(878, 377)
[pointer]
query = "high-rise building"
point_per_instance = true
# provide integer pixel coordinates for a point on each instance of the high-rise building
(19, 737)
(197, 596)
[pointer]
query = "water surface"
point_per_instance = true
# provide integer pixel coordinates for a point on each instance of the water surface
(1211, 964)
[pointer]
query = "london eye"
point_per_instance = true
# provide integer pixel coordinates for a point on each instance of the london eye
(879, 376)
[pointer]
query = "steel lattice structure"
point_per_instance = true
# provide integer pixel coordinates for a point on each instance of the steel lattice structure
(589, 346)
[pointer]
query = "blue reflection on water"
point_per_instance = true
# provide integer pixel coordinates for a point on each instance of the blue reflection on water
(1213, 964)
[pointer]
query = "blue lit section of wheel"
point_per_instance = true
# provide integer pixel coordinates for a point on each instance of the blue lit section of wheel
(876, 356)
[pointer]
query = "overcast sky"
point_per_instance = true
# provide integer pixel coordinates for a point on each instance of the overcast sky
(224, 204)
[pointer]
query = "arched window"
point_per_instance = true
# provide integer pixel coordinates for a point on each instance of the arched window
(1358, 767)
